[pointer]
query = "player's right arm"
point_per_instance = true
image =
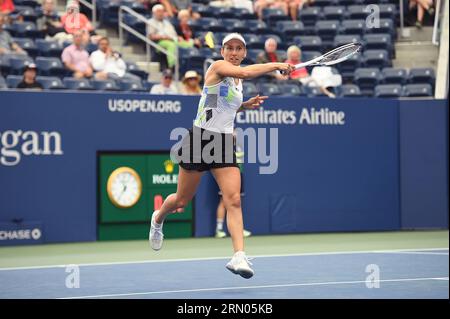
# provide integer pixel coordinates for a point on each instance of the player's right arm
(226, 69)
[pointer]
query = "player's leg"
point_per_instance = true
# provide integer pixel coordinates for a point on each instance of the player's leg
(188, 182)
(187, 185)
(229, 181)
(220, 218)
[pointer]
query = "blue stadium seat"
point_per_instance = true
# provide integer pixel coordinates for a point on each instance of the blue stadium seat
(376, 59)
(333, 12)
(349, 2)
(309, 55)
(26, 30)
(105, 85)
(308, 42)
(348, 90)
(386, 26)
(134, 69)
(253, 41)
(27, 13)
(27, 44)
(344, 39)
(249, 89)
(256, 27)
(134, 5)
(50, 66)
(77, 84)
(367, 79)
(18, 63)
(252, 54)
(13, 80)
(388, 90)
(291, 89)
(269, 89)
(417, 90)
(354, 27)
(421, 75)
(354, 12)
(394, 76)
(327, 30)
(48, 48)
(234, 25)
(274, 15)
(313, 91)
(387, 11)
(381, 41)
(50, 82)
(310, 15)
(243, 14)
(129, 85)
(324, 3)
(3, 84)
(348, 67)
(290, 29)
(223, 12)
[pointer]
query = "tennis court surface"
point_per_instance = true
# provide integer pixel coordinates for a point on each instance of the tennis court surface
(348, 265)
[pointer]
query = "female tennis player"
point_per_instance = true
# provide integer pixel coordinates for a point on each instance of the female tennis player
(221, 99)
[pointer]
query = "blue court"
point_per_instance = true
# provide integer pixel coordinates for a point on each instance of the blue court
(422, 273)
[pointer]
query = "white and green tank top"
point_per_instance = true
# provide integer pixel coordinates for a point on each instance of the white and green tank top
(218, 106)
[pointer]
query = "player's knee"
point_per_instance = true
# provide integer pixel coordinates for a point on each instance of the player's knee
(234, 200)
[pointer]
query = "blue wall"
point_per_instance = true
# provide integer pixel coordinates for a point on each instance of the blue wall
(359, 176)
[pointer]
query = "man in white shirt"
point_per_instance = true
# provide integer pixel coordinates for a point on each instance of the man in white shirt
(166, 86)
(108, 64)
(162, 32)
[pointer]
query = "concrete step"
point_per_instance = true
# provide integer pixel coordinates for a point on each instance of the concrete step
(415, 54)
(414, 34)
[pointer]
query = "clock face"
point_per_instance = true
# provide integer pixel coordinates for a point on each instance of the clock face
(124, 187)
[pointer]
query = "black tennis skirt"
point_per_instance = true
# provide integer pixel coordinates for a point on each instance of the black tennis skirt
(201, 150)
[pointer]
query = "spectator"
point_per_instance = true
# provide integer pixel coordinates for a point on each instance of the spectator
(49, 22)
(294, 57)
(73, 21)
(191, 83)
(6, 43)
(166, 86)
(293, 7)
(260, 5)
(6, 6)
(174, 7)
(244, 4)
(162, 31)
(29, 78)
(76, 58)
(270, 55)
(422, 6)
(108, 64)
(184, 31)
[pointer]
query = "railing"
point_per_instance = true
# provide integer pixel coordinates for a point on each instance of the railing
(437, 26)
(93, 7)
(149, 43)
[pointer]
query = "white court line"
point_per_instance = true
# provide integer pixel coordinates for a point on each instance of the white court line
(416, 253)
(253, 287)
(225, 257)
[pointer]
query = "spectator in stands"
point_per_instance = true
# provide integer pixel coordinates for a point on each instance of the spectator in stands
(260, 5)
(186, 36)
(294, 57)
(166, 86)
(76, 58)
(162, 31)
(49, 23)
(270, 55)
(422, 6)
(191, 83)
(7, 45)
(174, 7)
(6, 6)
(29, 78)
(108, 64)
(73, 21)
(293, 7)
(244, 4)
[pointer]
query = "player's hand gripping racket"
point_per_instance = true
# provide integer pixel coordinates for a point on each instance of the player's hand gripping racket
(334, 56)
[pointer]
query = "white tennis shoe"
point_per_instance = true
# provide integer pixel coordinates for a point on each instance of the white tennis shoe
(240, 265)
(155, 235)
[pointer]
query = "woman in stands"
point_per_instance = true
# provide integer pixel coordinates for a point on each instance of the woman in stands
(220, 101)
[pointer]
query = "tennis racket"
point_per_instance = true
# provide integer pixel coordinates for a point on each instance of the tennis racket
(334, 56)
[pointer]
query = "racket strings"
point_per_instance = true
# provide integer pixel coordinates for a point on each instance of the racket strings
(340, 53)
